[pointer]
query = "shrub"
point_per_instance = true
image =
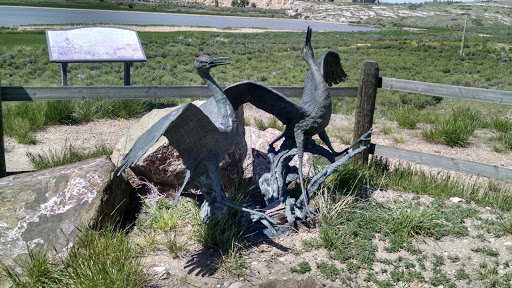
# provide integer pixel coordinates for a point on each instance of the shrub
(506, 140)
(240, 3)
(406, 117)
(222, 234)
(420, 102)
(456, 129)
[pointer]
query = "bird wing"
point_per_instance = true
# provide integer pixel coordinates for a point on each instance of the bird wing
(329, 65)
(188, 130)
(266, 99)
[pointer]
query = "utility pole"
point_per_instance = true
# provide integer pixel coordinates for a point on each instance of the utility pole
(463, 37)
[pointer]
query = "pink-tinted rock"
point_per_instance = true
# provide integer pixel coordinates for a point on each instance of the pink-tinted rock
(257, 162)
(162, 164)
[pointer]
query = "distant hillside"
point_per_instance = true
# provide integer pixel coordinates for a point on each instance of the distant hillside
(265, 4)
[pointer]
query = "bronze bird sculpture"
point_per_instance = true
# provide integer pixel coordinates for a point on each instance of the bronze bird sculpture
(302, 121)
(202, 136)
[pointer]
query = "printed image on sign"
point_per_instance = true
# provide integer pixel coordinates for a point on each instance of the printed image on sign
(94, 44)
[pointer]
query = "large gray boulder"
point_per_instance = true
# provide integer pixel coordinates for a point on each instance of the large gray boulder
(46, 207)
(162, 164)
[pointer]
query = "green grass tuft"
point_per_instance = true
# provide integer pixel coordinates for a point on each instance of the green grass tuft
(222, 234)
(328, 270)
(98, 258)
(68, 154)
(272, 123)
(406, 117)
(301, 268)
(104, 258)
(456, 129)
(486, 251)
(387, 130)
(414, 221)
(38, 271)
(232, 262)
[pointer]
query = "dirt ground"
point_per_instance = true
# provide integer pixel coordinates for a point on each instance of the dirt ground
(271, 260)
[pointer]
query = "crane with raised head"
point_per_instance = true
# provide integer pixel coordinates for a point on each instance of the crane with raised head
(302, 121)
(202, 136)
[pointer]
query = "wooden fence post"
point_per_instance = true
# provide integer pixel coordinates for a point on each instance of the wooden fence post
(368, 84)
(3, 170)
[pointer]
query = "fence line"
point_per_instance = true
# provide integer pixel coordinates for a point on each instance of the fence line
(448, 163)
(449, 91)
(136, 92)
(366, 90)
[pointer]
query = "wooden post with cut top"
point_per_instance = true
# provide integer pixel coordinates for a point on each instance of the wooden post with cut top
(3, 170)
(366, 95)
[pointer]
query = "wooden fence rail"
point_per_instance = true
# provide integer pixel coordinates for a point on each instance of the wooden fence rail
(448, 91)
(135, 92)
(447, 163)
(366, 93)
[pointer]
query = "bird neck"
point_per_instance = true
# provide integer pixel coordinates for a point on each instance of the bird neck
(227, 115)
(210, 82)
(322, 91)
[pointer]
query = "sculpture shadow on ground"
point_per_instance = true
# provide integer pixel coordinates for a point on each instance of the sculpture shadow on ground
(202, 263)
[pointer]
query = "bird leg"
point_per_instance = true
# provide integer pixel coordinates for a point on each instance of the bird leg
(325, 138)
(327, 171)
(299, 139)
(313, 148)
(364, 137)
(177, 197)
(302, 202)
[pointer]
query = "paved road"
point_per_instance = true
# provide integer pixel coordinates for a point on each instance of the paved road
(12, 16)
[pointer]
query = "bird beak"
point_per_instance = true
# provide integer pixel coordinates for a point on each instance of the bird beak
(213, 61)
(308, 36)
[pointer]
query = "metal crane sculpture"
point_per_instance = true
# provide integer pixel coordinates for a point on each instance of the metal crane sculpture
(302, 122)
(202, 135)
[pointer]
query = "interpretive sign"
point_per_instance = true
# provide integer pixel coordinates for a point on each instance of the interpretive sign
(94, 44)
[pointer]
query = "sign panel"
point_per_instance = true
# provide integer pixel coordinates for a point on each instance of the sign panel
(94, 44)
